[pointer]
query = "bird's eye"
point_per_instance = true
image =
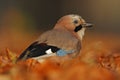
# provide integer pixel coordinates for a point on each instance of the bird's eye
(76, 21)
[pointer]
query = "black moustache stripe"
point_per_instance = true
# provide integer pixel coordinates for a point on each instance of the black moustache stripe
(78, 28)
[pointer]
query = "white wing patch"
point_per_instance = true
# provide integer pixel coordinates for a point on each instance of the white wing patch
(49, 51)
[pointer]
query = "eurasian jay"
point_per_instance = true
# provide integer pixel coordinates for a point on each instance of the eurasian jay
(63, 40)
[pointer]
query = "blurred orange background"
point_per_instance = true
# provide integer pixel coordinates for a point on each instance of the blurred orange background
(22, 21)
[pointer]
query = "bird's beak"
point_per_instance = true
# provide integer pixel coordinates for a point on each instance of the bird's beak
(88, 25)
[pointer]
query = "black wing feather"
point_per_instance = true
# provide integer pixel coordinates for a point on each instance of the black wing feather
(37, 49)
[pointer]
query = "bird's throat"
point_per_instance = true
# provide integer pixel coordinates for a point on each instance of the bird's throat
(81, 33)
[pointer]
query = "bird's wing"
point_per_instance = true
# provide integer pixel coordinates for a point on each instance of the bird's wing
(50, 42)
(62, 39)
(38, 49)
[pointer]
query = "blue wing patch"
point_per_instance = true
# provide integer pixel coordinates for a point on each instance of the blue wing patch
(62, 52)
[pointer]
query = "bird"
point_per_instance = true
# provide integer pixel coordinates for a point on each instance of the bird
(63, 40)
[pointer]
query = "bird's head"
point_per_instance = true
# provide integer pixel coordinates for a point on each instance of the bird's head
(74, 23)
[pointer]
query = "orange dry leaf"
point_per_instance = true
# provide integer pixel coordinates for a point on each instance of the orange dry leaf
(11, 56)
(96, 73)
(5, 64)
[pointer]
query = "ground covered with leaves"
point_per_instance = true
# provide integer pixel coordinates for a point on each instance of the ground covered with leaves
(99, 60)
